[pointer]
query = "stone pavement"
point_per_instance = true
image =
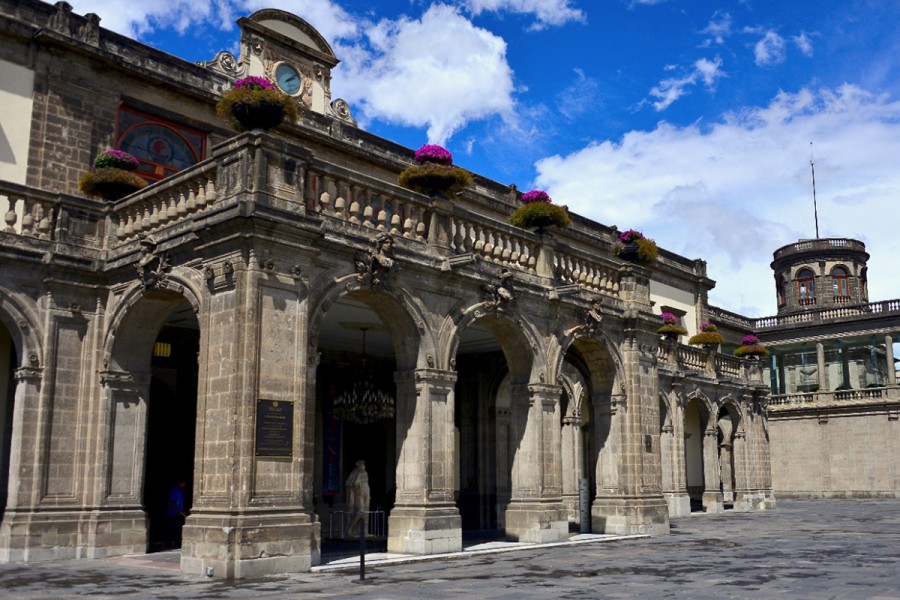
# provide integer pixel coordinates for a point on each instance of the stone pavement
(828, 549)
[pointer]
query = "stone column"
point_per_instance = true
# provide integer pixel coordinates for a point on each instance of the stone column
(536, 513)
(820, 367)
(889, 356)
(249, 516)
(425, 519)
(712, 495)
(21, 529)
(845, 367)
(572, 465)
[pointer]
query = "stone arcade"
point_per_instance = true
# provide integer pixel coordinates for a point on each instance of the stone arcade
(155, 337)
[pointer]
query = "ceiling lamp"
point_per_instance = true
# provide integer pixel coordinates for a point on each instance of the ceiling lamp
(362, 401)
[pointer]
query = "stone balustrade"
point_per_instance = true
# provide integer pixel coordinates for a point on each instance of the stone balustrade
(890, 393)
(28, 213)
(828, 314)
(493, 242)
(173, 199)
(699, 360)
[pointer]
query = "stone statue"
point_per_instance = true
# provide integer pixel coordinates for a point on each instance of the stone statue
(358, 495)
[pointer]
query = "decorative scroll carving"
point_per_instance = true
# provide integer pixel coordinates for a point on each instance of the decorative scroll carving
(223, 62)
(339, 109)
(153, 268)
(373, 267)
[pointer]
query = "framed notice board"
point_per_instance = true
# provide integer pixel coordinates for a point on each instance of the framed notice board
(274, 429)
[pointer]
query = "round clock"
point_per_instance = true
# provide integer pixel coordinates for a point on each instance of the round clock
(287, 78)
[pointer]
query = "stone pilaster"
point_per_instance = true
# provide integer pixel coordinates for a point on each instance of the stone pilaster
(712, 495)
(425, 519)
(248, 517)
(536, 513)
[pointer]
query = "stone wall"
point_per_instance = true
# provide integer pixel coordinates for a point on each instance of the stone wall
(836, 451)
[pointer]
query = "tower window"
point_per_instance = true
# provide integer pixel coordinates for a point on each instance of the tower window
(841, 280)
(806, 286)
(163, 147)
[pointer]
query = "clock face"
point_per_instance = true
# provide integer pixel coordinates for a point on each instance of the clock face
(287, 78)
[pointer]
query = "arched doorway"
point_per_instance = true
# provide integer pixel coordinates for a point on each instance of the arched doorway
(578, 490)
(152, 386)
(8, 364)
(694, 427)
(171, 423)
(356, 398)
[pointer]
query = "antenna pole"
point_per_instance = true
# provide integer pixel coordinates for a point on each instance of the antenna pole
(812, 167)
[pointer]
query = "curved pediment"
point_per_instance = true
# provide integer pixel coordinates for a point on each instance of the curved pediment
(294, 28)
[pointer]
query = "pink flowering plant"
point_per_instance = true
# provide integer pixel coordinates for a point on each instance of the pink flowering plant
(536, 196)
(116, 159)
(255, 103)
(670, 329)
(434, 174)
(432, 153)
(253, 83)
(538, 211)
(751, 347)
(631, 244)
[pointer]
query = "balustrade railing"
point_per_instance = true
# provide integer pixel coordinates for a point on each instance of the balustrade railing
(829, 314)
(837, 397)
(592, 275)
(28, 213)
(493, 243)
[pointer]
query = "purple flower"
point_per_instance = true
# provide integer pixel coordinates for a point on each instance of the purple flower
(749, 340)
(253, 83)
(632, 235)
(669, 319)
(116, 159)
(536, 196)
(434, 154)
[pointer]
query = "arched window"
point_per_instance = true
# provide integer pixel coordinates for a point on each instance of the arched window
(806, 286)
(841, 279)
(163, 148)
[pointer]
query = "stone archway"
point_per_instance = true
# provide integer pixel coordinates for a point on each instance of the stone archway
(696, 418)
(150, 392)
(731, 450)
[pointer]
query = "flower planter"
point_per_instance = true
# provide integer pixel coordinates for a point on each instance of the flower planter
(110, 183)
(630, 252)
(262, 115)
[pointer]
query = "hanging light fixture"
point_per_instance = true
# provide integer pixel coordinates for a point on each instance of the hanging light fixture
(362, 401)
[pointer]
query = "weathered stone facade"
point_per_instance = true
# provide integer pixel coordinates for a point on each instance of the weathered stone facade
(143, 336)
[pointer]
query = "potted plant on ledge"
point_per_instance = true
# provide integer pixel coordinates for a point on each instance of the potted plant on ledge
(634, 246)
(670, 329)
(113, 176)
(434, 173)
(539, 212)
(708, 337)
(751, 348)
(255, 103)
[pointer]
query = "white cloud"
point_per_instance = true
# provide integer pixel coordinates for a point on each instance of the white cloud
(546, 12)
(719, 27)
(734, 191)
(438, 72)
(671, 89)
(580, 97)
(140, 17)
(804, 44)
(770, 49)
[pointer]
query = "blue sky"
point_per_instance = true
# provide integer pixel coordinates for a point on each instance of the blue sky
(690, 120)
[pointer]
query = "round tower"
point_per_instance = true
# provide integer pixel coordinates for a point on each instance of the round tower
(820, 273)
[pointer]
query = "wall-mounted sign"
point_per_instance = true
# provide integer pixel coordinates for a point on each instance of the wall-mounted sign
(274, 429)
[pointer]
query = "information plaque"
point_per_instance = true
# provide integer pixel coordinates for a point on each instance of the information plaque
(274, 429)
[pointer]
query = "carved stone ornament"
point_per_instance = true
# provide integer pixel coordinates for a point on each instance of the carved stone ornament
(499, 293)
(339, 109)
(593, 316)
(373, 267)
(153, 268)
(224, 62)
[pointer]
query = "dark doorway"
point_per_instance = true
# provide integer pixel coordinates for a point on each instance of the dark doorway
(171, 426)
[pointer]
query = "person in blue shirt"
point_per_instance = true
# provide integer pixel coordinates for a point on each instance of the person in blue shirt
(175, 515)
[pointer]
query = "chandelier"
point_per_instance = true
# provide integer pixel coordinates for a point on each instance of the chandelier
(362, 401)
